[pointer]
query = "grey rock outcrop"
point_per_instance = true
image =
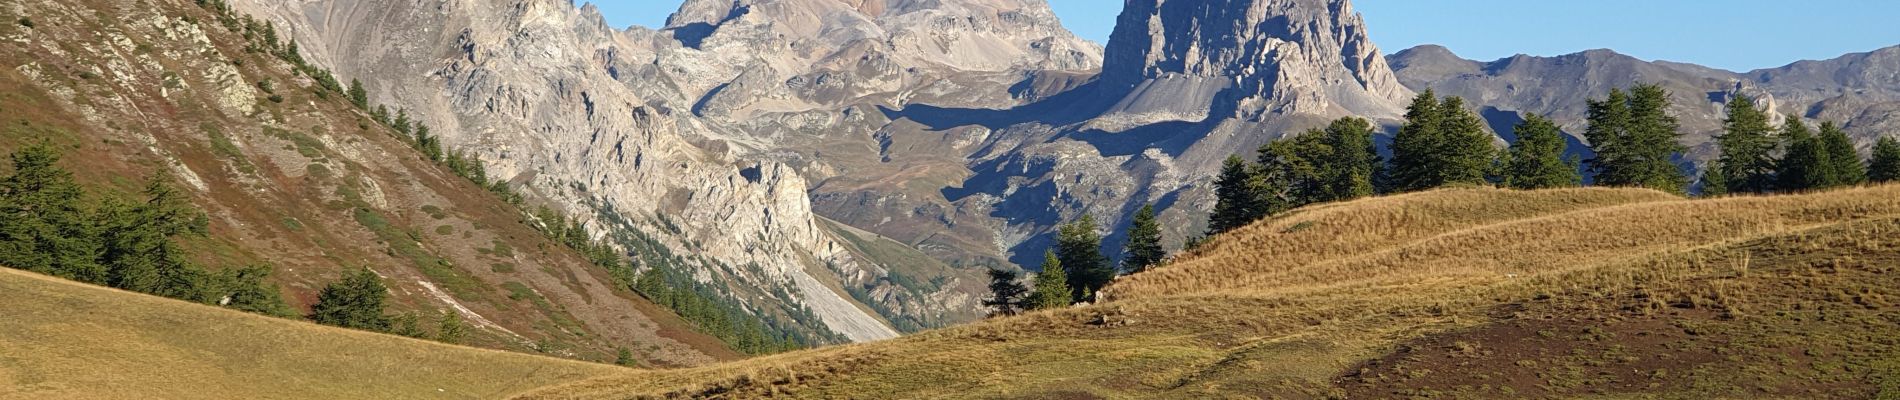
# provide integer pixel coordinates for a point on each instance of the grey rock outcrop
(1246, 59)
(535, 88)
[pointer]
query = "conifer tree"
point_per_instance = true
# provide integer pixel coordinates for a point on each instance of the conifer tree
(1607, 133)
(42, 226)
(1079, 247)
(1843, 164)
(1800, 169)
(1144, 242)
(1006, 293)
(1052, 285)
(450, 328)
(1636, 140)
(1536, 161)
(358, 96)
(1238, 198)
(1441, 143)
(624, 358)
(1885, 167)
(246, 290)
(1747, 163)
(354, 302)
(1353, 161)
(1714, 184)
(139, 252)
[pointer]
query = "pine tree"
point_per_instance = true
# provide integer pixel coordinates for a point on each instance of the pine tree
(624, 358)
(246, 289)
(1006, 293)
(1800, 169)
(1536, 161)
(450, 328)
(1238, 199)
(1607, 133)
(139, 252)
(42, 226)
(1052, 285)
(1440, 144)
(1747, 163)
(401, 125)
(354, 302)
(1414, 145)
(408, 324)
(1843, 164)
(1885, 167)
(1353, 161)
(1079, 247)
(1144, 242)
(1714, 184)
(358, 96)
(1322, 165)
(1636, 140)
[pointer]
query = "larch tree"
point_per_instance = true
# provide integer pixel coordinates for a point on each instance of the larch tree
(1239, 199)
(1800, 168)
(1440, 144)
(1843, 164)
(355, 302)
(1636, 140)
(1006, 293)
(1079, 247)
(1052, 285)
(1536, 160)
(1143, 249)
(42, 226)
(1747, 162)
(1885, 166)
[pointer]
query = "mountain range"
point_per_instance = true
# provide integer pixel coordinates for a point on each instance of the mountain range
(864, 162)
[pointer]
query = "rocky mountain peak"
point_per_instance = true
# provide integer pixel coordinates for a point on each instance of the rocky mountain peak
(1263, 56)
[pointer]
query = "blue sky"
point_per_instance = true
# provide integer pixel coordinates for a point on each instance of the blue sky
(1732, 34)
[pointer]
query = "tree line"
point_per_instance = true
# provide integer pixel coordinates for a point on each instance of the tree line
(49, 224)
(1442, 143)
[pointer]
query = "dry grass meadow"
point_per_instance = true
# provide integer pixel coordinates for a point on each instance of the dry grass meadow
(1456, 293)
(66, 340)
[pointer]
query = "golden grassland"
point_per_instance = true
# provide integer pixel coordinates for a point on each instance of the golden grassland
(66, 340)
(1469, 292)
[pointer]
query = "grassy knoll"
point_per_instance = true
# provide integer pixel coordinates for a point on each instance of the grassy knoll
(60, 339)
(1458, 293)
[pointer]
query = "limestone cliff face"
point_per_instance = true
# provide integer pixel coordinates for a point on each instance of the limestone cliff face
(1180, 59)
(582, 114)
(752, 57)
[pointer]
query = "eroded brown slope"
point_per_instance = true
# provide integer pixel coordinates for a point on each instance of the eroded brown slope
(293, 176)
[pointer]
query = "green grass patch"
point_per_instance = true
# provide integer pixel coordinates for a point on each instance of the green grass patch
(306, 145)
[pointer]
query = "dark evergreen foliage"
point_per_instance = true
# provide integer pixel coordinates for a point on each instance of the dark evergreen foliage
(1006, 293)
(1079, 247)
(354, 302)
(1536, 161)
(1747, 163)
(1885, 167)
(1240, 197)
(1636, 140)
(1143, 249)
(1440, 144)
(1052, 285)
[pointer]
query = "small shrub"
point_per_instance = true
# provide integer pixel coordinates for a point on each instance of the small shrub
(26, 22)
(276, 98)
